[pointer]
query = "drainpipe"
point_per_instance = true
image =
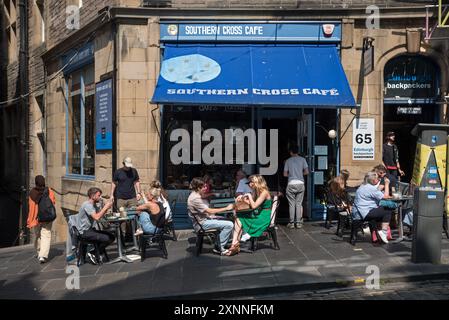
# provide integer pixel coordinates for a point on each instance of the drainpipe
(114, 103)
(24, 119)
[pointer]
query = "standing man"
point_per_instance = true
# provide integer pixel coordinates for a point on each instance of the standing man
(390, 155)
(295, 169)
(126, 184)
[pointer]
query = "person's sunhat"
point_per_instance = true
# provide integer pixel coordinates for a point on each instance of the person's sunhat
(128, 162)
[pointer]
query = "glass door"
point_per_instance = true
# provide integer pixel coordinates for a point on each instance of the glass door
(305, 144)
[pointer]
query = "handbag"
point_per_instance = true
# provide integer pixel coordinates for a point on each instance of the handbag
(241, 205)
(388, 204)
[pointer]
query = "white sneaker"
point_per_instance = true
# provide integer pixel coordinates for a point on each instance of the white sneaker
(91, 258)
(383, 236)
(245, 237)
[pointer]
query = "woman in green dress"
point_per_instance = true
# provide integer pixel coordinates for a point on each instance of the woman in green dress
(256, 221)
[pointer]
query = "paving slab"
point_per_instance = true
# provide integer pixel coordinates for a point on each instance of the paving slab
(309, 257)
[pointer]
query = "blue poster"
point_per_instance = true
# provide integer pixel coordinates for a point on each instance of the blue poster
(103, 107)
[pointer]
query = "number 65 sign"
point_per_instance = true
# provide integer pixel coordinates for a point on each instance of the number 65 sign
(363, 139)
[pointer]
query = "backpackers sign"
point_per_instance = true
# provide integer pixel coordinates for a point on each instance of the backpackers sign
(410, 78)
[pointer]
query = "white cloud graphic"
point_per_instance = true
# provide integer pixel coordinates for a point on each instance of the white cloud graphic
(192, 68)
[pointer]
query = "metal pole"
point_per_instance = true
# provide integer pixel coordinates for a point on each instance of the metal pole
(24, 117)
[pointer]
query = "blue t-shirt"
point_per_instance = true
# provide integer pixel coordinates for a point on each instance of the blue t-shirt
(367, 198)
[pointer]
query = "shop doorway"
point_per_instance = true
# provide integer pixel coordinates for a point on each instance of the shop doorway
(402, 124)
(411, 88)
(289, 127)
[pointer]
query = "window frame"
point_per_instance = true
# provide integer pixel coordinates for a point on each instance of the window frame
(80, 176)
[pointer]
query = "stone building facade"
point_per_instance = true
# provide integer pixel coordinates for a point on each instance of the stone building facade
(127, 49)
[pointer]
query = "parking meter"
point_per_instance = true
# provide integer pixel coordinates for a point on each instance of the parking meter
(429, 178)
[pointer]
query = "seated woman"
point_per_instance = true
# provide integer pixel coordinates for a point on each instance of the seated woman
(163, 198)
(366, 203)
(256, 222)
(151, 214)
(339, 196)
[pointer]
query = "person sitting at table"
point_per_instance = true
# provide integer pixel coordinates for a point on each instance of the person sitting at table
(200, 213)
(242, 183)
(163, 198)
(381, 171)
(208, 182)
(366, 204)
(85, 218)
(340, 197)
(257, 221)
(152, 213)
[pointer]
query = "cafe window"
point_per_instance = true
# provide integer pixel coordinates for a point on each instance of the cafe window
(178, 176)
(81, 122)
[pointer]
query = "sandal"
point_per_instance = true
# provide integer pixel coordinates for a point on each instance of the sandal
(233, 250)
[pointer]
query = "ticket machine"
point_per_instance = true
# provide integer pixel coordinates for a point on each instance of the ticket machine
(429, 179)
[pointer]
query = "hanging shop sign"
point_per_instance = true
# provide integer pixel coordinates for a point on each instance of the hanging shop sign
(363, 139)
(368, 56)
(103, 110)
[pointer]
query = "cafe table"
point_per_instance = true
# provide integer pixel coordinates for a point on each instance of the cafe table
(116, 222)
(400, 201)
(132, 215)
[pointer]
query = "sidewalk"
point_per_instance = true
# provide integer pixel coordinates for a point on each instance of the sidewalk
(310, 258)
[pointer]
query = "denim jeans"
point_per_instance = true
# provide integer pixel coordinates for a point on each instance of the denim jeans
(145, 222)
(225, 226)
(295, 196)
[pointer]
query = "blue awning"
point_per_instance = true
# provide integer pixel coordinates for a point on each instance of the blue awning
(275, 75)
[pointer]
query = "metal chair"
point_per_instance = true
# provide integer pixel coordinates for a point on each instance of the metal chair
(81, 248)
(271, 229)
(169, 227)
(331, 208)
(403, 188)
(201, 233)
(148, 239)
(360, 224)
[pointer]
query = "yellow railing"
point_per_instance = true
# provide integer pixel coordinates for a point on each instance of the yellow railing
(443, 14)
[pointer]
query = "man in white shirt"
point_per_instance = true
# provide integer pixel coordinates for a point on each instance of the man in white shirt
(242, 183)
(295, 169)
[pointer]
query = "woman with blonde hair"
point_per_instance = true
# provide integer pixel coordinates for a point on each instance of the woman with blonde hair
(256, 222)
(163, 198)
(151, 214)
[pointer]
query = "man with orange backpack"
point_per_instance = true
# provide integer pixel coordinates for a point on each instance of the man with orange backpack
(42, 212)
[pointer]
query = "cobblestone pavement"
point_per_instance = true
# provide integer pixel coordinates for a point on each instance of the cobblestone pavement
(420, 290)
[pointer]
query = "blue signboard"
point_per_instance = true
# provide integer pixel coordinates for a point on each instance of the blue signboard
(232, 74)
(103, 108)
(252, 32)
(76, 59)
